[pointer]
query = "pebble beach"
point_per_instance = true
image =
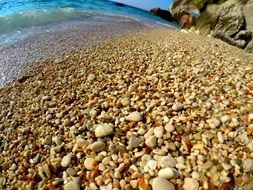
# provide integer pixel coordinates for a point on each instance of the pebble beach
(156, 110)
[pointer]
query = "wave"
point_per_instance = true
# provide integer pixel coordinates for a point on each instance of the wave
(19, 21)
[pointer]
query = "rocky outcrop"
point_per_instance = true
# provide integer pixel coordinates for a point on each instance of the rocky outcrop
(227, 20)
(249, 47)
(248, 14)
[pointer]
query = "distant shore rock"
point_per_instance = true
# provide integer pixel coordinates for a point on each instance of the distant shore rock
(228, 20)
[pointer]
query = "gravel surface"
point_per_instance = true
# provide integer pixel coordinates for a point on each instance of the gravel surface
(159, 110)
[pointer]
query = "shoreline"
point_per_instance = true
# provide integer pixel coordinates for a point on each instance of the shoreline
(53, 41)
(123, 112)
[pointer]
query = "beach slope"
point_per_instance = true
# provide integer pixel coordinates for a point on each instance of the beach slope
(119, 114)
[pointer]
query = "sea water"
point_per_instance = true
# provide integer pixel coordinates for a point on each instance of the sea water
(18, 16)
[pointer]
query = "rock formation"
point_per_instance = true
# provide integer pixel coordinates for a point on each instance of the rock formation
(227, 20)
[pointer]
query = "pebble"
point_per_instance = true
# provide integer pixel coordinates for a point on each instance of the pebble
(91, 77)
(160, 183)
(71, 171)
(102, 130)
(214, 122)
(168, 173)
(190, 184)
(158, 132)
(97, 146)
(90, 163)
(195, 175)
(220, 137)
(125, 102)
(58, 61)
(177, 107)
(234, 123)
(66, 160)
(167, 161)
(134, 141)
(169, 128)
(248, 165)
(152, 164)
(134, 116)
(48, 140)
(72, 186)
(151, 141)
(225, 118)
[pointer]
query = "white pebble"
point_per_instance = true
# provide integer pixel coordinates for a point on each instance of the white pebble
(169, 128)
(195, 175)
(220, 137)
(168, 173)
(135, 117)
(177, 107)
(214, 122)
(103, 130)
(152, 164)
(125, 102)
(66, 160)
(160, 183)
(167, 161)
(158, 131)
(90, 163)
(190, 184)
(151, 141)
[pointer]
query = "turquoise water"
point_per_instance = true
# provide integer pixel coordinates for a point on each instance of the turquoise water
(16, 15)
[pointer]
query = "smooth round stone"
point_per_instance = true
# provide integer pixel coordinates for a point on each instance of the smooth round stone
(177, 107)
(151, 141)
(158, 132)
(66, 160)
(98, 146)
(190, 184)
(168, 173)
(135, 117)
(90, 163)
(160, 183)
(103, 130)
(72, 186)
(125, 102)
(169, 128)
